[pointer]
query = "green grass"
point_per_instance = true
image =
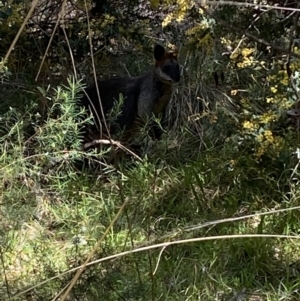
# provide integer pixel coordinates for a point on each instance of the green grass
(201, 180)
(50, 228)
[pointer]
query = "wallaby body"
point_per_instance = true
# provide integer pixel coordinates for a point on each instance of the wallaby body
(143, 96)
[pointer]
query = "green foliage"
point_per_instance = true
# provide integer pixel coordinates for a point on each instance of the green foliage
(116, 109)
(226, 160)
(62, 128)
(4, 72)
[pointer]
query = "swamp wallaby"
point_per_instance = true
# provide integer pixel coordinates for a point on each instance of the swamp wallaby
(141, 97)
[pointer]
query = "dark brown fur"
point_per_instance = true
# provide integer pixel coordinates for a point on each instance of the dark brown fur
(143, 96)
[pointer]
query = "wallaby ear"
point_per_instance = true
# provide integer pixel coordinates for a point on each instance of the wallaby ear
(159, 52)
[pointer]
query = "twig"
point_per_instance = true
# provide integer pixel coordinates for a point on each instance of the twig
(245, 4)
(51, 38)
(87, 261)
(111, 142)
(250, 36)
(13, 44)
(158, 246)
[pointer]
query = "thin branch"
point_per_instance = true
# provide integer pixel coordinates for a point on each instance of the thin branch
(91, 254)
(13, 44)
(245, 4)
(51, 38)
(250, 36)
(110, 142)
(158, 246)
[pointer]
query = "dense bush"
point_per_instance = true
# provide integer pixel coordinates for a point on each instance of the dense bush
(227, 166)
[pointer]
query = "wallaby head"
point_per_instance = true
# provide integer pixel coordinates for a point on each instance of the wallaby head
(166, 65)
